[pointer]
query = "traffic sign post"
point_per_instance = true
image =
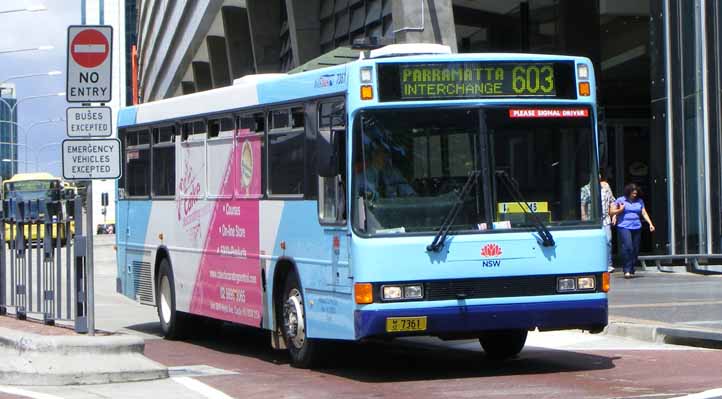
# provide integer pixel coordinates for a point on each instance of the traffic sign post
(91, 159)
(89, 64)
(89, 79)
(89, 121)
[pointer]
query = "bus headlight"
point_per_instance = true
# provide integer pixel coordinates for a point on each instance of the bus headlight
(413, 292)
(392, 292)
(576, 284)
(566, 284)
(402, 292)
(585, 283)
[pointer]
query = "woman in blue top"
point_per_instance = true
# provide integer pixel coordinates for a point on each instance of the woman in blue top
(629, 210)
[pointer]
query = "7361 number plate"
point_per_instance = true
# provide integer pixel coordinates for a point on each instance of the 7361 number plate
(399, 324)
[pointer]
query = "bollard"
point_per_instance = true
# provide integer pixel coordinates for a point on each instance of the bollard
(81, 310)
(24, 286)
(3, 266)
(59, 263)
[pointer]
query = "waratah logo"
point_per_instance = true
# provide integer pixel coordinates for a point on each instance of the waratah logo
(490, 250)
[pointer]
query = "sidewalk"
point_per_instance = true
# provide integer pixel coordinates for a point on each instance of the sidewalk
(32, 353)
(679, 308)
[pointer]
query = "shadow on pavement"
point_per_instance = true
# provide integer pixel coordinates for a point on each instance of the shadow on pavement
(387, 361)
(152, 328)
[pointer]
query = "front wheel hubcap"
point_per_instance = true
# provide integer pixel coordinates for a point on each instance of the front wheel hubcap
(165, 299)
(293, 319)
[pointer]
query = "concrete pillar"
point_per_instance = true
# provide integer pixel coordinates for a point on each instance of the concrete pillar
(438, 23)
(202, 75)
(220, 74)
(579, 29)
(264, 21)
(238, 41)
(305, 29)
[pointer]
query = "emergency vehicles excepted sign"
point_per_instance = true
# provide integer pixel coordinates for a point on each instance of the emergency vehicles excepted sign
(91, 159)
(89, 121)
(89, 63)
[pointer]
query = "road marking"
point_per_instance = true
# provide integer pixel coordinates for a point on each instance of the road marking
(206, 390)
(712, 393)
(665, 304)
(26, 393)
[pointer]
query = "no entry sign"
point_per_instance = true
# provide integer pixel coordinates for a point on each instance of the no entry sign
(89, 63)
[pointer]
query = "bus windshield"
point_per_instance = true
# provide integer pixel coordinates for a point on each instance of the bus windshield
(28, 190)
(410, 165)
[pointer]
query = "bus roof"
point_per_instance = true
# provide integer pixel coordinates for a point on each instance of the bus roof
(31, 176)
(269, 89)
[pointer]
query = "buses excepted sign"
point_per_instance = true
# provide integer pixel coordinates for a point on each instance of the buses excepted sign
(89, 63)
(91, 159)
(89, 121)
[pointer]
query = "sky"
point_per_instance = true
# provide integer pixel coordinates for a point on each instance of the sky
(34, 29)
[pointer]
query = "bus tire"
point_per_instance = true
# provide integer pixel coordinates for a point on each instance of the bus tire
(503, 344)
(171, 320)
(304, 352)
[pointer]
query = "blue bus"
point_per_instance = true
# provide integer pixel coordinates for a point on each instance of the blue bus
(410, 192)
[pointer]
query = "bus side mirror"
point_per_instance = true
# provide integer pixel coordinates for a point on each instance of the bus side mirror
(329, 145)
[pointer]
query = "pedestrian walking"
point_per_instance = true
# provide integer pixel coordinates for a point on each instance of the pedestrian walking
(607, 197)
(629, 210)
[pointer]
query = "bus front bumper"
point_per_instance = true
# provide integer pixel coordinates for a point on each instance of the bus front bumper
(465, 321)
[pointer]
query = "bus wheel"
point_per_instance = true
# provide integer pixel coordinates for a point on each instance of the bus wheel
(304, 351)
(171, 320)
(500, 345)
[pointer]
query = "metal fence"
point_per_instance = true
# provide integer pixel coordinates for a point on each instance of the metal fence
(43, 261)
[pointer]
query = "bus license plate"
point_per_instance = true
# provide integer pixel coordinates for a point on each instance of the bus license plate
(398, 324)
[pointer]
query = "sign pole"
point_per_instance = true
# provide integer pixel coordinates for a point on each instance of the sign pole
(90, 272)
(89, 80)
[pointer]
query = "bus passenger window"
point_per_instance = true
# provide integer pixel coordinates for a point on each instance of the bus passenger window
(253, 122)
(137, 158)
(164, 161)
(297, 117)
(216, 127)
(250, 142)
(285, 155)
(331, 198)
(190, 129)
(279, 119)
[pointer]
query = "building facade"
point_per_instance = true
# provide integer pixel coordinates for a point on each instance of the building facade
(658, 65)
(8, 132)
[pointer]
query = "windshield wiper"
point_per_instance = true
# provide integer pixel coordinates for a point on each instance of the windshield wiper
(513, 187)
(440, 236)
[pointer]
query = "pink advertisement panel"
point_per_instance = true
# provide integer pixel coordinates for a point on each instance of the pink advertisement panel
(228, 284)
(248, 156)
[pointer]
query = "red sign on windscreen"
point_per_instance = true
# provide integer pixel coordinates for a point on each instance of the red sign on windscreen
(548, 113)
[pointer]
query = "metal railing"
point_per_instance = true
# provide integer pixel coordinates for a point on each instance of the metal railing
(691, 262)
(42, 261)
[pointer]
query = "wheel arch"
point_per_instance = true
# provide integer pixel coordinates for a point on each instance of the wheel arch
(284, 266)
(161, 253)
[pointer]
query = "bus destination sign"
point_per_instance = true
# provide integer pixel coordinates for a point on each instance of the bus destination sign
(480, 79)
